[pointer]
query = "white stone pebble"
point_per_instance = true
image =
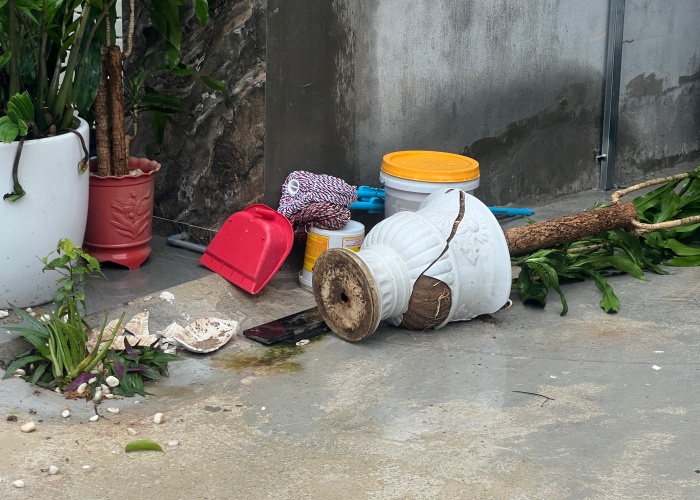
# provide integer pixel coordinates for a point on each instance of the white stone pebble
(94, 418)
(173, 442)
(19, 373)
(18, 484)
(65, 413)
(53, 470)
(98, 396)
(28, 427)
(112, 381)
(92, 380)
(104, 388)
(132, 432)
(113, 410)
(82, 388)
(109, 396)
(4, 313)
(159, 418)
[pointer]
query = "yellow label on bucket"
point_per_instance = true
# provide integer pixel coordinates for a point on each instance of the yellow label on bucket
(353, 243)
(316, 244)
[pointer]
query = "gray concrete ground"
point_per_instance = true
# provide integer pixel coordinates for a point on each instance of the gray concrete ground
(401, 415)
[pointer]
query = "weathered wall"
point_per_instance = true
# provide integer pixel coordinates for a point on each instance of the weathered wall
(660, 86)
(516, 85)
(214, 165)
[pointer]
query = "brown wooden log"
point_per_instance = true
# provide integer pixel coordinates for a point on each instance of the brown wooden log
(116, 100)
(531, 237)
(102, 131)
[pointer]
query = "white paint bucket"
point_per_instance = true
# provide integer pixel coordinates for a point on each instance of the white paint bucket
(410, 176)
(319, 240)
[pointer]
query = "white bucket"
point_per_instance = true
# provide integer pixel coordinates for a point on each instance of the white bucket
(319, 240)
(405, 195)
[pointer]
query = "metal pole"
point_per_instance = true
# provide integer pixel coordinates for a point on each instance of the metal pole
(608, 147)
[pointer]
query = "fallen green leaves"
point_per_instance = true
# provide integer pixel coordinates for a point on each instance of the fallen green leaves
(142, 445)
(618, 251)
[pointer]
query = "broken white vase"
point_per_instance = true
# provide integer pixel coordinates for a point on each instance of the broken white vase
(355, 292)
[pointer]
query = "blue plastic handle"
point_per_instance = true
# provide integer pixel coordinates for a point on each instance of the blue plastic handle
(511, 211)
(367, 192)
(373, 205)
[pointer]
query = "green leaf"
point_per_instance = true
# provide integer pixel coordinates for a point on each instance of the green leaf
(213, 83)
(8, 130)
(201, 9)
(622, 262)
(684, 261)
(24, 106)
(4, 57)
(610, 303)
(19, 363)
(142, 445)
(653, 199)
(681, 249)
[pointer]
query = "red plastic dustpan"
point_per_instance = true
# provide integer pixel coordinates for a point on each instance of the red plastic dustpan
(250, 247)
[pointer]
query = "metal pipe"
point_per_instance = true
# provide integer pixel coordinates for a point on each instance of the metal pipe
(608, 147)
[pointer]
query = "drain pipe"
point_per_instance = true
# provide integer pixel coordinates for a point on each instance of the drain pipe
(608, 147)
(177, 241)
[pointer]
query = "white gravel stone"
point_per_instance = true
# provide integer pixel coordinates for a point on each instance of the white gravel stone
(19, 373)
(53, 470)
(92, 380)
(112, 381)
(159, 418)
(94, 418)
(98, 396)
(113, 410)
(104, 388)
(65, 413)
(132, 432)
(82, 388)
(4, 313)
(109, 396)
(28, 427)
(173, 442)
(18, 484)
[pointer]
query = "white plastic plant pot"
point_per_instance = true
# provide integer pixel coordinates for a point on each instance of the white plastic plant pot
(54, 207)
(448, 261)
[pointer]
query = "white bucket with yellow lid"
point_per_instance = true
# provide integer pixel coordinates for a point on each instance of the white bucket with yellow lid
(410, 176)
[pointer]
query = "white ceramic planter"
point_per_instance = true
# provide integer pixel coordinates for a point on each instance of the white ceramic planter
(355, 292)
(54, 207)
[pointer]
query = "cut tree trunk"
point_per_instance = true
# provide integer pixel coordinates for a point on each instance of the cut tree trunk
(547, 234)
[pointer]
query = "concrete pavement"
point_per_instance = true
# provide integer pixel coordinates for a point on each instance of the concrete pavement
(445, 414)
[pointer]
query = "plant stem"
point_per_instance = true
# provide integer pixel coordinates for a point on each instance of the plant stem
(88, 41)
(68, 77)
(14, 49)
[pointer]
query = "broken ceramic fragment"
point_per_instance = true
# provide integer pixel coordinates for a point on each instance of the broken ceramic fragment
(206, 334)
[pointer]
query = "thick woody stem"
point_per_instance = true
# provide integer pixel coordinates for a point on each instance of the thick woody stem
(102, 129)
(116, 101)
(531, 237)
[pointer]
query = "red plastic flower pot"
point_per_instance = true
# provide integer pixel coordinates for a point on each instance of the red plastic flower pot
(120, 214)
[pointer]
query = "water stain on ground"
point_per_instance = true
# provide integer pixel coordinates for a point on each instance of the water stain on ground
(275, 359)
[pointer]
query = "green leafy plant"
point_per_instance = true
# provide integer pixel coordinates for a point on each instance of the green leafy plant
(59, 339)
(136, 364)
(618, 251)
(60, 56)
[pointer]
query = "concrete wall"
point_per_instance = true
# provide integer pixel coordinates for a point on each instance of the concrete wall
(660, 90)
(516, 85)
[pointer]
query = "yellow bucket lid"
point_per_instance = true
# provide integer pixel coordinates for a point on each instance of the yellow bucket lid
(430, 166)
